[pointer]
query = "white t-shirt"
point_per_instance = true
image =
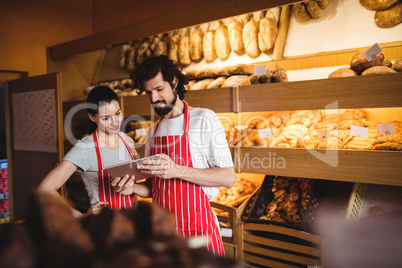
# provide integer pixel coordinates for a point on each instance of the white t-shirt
(83, 155)
(208, 145)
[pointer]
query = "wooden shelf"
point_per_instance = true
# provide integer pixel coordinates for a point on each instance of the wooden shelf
(377, 167)
(349, 92)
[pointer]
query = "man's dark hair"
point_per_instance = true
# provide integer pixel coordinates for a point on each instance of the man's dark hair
(151, 67)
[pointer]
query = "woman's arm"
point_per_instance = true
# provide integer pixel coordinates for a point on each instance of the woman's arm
(55, 179)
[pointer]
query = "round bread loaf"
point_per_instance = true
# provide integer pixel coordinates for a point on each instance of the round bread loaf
(376, 70)
(378, 4)
(359, 62)
(300, 12)
(290, 207)
(314, 9)
(390, 17)
(271, 207)
(387, 63)
(397, 66)
(342, 72)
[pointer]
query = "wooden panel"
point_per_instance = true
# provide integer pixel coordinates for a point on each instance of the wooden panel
(348, 92)
(281, 245)
(265, 262)
(378, 167)
(280, 255)
(137, 105)
(220, 100)
(281, 230)
(202, 13)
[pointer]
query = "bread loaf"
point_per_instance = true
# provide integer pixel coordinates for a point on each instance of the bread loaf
(131, 55)
(378, 4)
(217, 82)
(184, 49)
(140, 55)
(244, 18)
(196, 48)
(243, 69)
(209, 46)
(397, 66)
(300, 12)
(124, 51)
(273, 13)
(174, 47)
(258, 16)
(250, 39)
(390, 17)
(235, 31)
(234, 80)
(162, 46)
(387, 63)
(342, 72)
(359, 62)
(376, 70)
(323, 4)
(205, 73)
(222, 44)
(314, 9)
(191, 74)
(267, 35)
(224, 71)
(280, 75)
(203, 84)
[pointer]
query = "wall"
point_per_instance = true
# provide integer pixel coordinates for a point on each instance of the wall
(27, 27)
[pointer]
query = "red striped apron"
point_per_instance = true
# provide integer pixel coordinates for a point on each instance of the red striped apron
(187, 201)
(106, 191)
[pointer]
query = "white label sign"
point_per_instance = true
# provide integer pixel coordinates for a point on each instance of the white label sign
(372, 52)
(387, 129)
(140, 132)
(264, 133)
(260, 70)
(322, 134)
(358, 131)
(240, 127)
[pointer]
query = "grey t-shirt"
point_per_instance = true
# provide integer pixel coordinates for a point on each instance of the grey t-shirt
(83, 155)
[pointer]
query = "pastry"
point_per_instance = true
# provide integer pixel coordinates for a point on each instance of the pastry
(250, 39)
(390, 17)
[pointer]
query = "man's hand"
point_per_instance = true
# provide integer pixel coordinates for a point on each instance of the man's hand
(163, 167)
(124, 186)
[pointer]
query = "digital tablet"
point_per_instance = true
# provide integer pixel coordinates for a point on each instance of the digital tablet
(129, 168)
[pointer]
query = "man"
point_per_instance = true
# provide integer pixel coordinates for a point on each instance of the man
(194, 156)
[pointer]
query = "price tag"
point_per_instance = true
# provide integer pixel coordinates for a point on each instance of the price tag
(260, 70)
(387, 129)
(140, 132)
(358, 131)
(372, 52)
(322, 134)
(240, 127)
(264, 133)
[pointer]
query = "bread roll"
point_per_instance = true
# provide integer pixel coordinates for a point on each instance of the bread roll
(267, 35)
(222, 44)
(250, 39)
(281, 183)
(174, 47)
(243, 68)
(342, 72)
(376, 70)
(314, 9)
(235, 31)
(271, 207)
(203, 84)
(290, 207)
(378, 4)
(390, 17)
(217, 82)
(162, 46)
(280, 75)
(359, 62)
(323, 4)
(397, 66)
(387, 63)
(196, 48)
(300, 12)
(234, 80)
(209, 46)
(184, 49)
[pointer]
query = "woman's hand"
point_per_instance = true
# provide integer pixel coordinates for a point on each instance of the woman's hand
(124, 186)
(96, 208)
(163, 167)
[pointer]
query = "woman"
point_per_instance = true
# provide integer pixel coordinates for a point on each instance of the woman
(105, 146)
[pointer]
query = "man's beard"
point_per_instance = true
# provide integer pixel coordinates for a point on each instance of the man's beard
(168, 107)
